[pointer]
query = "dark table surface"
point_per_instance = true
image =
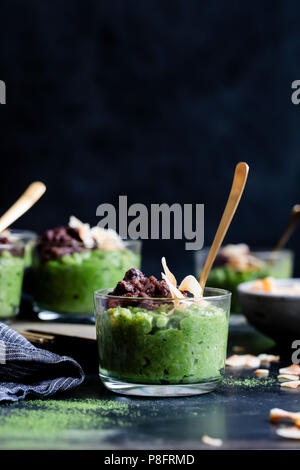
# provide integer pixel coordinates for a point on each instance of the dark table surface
(93, 418)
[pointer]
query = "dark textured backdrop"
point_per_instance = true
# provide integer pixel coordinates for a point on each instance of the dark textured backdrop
(157, 100)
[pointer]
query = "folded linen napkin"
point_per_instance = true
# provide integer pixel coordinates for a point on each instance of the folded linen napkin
(27, 370)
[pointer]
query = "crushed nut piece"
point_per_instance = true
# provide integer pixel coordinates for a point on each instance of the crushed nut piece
(248, 361)
(291, 384)
(266, 358)
(287, 377)
(261, 372)
(292, 369)
(290, 432)
(235, 361)
(238, 349)
(212, 441)
(277, 414)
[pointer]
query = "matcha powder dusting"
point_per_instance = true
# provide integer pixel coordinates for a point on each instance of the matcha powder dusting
(58, 423)
(248, 382)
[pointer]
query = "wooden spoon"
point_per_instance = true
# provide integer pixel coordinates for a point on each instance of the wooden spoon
(26, 201)
(238, 185)
(294, 219)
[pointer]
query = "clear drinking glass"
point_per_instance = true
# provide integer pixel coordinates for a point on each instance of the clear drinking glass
(11, 277)
(64, 286)
(226, 277)
(160, 347)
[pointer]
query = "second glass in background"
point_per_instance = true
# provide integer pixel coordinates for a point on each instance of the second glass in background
(226, 277)
(64, 287)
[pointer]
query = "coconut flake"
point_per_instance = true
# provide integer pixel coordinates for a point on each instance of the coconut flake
(174, 291)
(248, 361)
(74, 222)
(261, 373)
(287, 377)
(212, 441)
(290, 432)
(107, 239)
(292, 369)
(191, 285)
(277, 414)
(290, 384)
(84, 231)
(267, 358)
(251, 362)
(169, 275)
(235, 361)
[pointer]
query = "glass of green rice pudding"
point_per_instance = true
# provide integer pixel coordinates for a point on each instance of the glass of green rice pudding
(11, 277)
(151, 344)
(70, 262)
(235, 264)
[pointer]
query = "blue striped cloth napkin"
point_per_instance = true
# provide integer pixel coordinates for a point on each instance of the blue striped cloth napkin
(29, 371)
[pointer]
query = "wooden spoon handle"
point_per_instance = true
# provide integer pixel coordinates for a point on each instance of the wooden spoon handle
(294, 219)
(26, 201)
(238, 185)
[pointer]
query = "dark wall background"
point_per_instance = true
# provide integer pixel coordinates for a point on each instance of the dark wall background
(157, 100)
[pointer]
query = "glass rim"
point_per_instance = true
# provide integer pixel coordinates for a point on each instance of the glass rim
(126, 243)
(221, 295)
(13, 244)
(259, 250)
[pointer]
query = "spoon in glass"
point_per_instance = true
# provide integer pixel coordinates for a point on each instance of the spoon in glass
(293, 222)
(238, 185)
(23, 204)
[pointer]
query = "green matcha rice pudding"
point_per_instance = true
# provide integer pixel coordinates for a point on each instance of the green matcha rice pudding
(153, 344)
(71, 262)
(11, 277)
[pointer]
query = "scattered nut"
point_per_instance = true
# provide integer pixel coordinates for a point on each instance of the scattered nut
(266, 358)
(212, 441)
(290, 432)
(287, 377)
(276, 414)
(292, 369)
(261, 373)
(291, 384)
(238, 349)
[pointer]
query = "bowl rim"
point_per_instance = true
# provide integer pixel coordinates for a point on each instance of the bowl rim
(244, 289)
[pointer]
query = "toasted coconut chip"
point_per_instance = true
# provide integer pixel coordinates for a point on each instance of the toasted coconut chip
(169, 275)
(212, 441)
(107, 239)
(248, 361)
(287, 377)
(235, 250)
(252, 362)
(235, 361)
(290, 432)
(84, 231)
(74, 222)
(261, 372)
(174, 291)
(291, 384)
(266, 358)
(265, 285)
(238, 349)
(293, 369)
(277, 413)
(191, 285)
(86, 236)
